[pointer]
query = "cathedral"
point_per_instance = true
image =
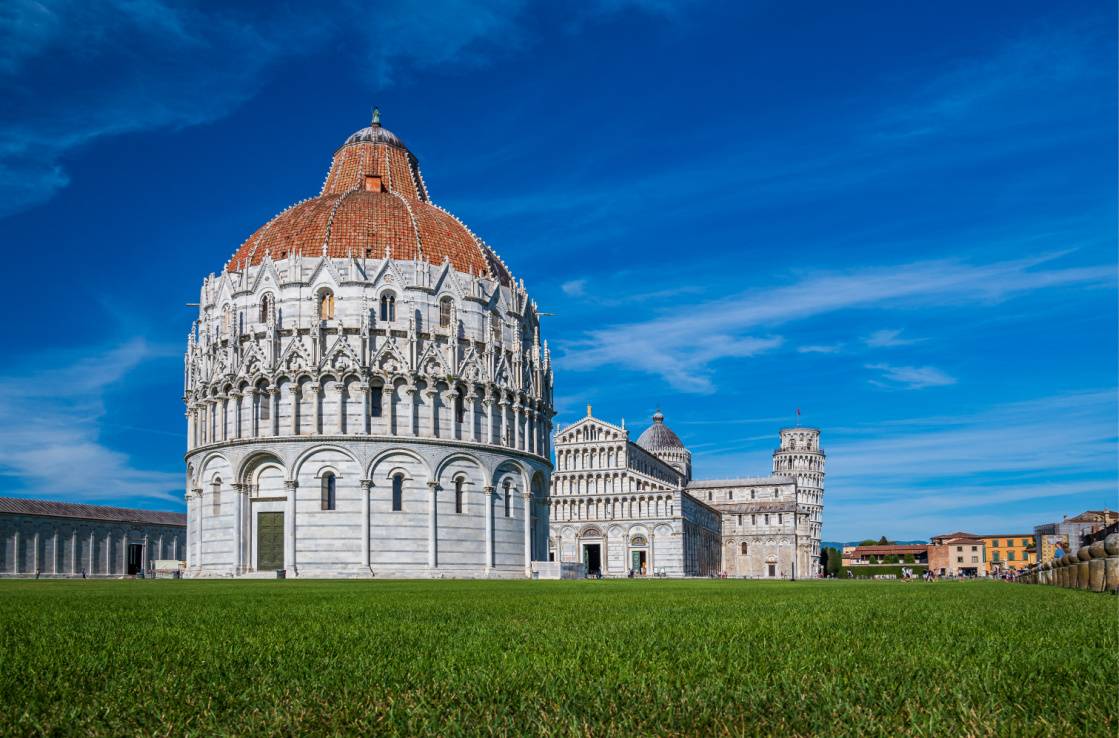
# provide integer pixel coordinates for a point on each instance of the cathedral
(366, 391)
(622, 508)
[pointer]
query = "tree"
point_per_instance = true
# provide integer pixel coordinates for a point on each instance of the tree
(835, 561)
(883, 542)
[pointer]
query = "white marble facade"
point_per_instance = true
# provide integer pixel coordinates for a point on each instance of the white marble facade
(620, 506)
(361, 414)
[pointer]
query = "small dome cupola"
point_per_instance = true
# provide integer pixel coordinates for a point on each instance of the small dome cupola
(659, 437)
(376, 134)
(659, 440)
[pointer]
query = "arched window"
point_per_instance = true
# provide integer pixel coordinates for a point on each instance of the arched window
(460, 408)
(397, 492)
(375, 396)
(215, 498)
(445, 312)
(458, 495)
(326, 305)
(508, 500)
(743, 548)
(264, 402)
(267, 307)
(329, 491)
(227, 320)
(753, 494)
(388, 307)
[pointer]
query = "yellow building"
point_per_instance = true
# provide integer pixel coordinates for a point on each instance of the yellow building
(1010, 551)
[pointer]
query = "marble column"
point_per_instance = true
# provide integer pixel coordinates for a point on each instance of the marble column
(289, 529)
(471, 414)
(527, 497)
(74, 552)
(198, 506)
(433, 402)
(517, 437)
(340, 403)
(238, 526)
(366, 427)
(388, 409)
(487, 410)
(238, 403)
(531, 430)
(191, 440)
(433, 526)
(316, 408)
(274, 407)
(410, 408)
(54, 551)
(295, 393)
(124, 553)
(503, 423)
(224, 400)
(366, 484)
(488, 495)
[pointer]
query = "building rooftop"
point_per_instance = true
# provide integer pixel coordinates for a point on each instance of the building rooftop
(743, 482)
(47, 508)
(891, 550)
(373, 204)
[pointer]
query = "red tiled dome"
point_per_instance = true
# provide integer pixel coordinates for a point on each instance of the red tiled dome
(373, 197)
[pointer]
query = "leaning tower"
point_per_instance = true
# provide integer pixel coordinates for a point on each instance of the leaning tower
(801, 457)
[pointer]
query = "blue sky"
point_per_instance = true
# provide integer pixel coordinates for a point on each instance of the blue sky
(900, 218)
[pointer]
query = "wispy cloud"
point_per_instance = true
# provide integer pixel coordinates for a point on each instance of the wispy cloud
(682, 346)
(574, 287)
(1013, 465)
(49, 429)
(833, 348)
(888, 338)
(980, 93)
(909, 377)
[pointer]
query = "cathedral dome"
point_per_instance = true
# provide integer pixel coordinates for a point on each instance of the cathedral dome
(659, 437)
(373, 203)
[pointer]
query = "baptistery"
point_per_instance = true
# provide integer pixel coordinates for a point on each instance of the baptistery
(367, 392)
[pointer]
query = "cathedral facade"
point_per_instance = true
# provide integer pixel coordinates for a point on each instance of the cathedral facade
(621, 507)
(366, 390)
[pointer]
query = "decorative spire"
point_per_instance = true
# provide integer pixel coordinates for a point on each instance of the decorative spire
(376, 123)
(588, 409)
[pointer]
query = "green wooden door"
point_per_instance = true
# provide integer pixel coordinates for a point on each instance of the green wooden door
(269, 541)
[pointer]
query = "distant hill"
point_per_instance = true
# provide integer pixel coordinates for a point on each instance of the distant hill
(839, 546)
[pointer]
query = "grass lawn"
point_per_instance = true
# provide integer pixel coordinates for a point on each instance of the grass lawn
(584, 657)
